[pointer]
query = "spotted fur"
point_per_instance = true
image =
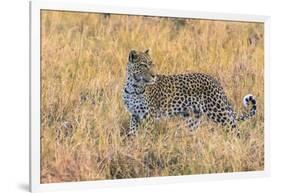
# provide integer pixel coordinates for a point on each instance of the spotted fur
(190, 96)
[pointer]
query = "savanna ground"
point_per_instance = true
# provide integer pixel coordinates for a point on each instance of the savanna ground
(83, 62)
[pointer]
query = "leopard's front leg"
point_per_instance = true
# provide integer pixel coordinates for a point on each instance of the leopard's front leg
(134, 124)
(137, 120)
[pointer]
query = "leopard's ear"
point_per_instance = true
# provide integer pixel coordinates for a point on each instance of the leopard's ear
(133, 55)
(146, 51)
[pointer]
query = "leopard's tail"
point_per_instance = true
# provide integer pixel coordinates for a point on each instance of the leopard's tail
(248, 100)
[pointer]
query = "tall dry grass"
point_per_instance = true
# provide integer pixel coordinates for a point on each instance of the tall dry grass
(83, 61)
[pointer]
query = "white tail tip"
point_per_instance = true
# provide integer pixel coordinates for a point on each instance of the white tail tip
(247, 100)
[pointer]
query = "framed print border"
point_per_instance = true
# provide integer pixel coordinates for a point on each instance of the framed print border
(36, 6)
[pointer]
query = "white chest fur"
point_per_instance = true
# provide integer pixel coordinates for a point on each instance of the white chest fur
(135, 104)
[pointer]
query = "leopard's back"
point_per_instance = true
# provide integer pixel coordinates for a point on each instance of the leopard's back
(176, 94)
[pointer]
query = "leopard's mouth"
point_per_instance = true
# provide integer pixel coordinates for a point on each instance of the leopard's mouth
(144, 78)
(151, 80)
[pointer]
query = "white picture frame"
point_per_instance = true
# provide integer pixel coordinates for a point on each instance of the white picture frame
(36, 6)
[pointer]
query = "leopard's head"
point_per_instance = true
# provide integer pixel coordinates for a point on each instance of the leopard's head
(139, 68)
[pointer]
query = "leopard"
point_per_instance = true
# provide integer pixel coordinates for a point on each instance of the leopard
(189, 96)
